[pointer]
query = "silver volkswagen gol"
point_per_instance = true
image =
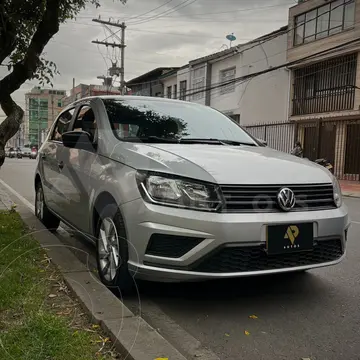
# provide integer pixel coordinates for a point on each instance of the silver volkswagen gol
(175, 191)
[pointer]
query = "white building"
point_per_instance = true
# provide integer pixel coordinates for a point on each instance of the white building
(261, 99)
(176, 83)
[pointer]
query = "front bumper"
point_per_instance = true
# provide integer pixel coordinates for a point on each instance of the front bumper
(244, 234)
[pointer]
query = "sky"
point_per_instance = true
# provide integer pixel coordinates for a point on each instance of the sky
(159, 33)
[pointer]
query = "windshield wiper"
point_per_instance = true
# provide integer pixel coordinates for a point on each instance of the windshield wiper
(152, 139)
(215, 141)
(209, 141)
(201, 141)
(160, 140)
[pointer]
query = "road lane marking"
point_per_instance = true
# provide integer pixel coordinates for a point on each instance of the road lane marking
(20, 197)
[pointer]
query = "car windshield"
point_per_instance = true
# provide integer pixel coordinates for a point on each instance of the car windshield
(160, 120)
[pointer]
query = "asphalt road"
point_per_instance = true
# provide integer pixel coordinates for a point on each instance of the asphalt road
(314, 315)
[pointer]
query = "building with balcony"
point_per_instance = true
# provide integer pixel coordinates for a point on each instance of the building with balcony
(324, 44)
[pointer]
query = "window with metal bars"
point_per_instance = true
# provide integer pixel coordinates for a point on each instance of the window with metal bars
(325, 86)
(226, 76)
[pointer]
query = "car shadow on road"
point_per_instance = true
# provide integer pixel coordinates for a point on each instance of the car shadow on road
(301, 283)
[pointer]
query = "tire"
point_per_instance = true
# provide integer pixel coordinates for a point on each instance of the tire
(50, 221)
(112, 262)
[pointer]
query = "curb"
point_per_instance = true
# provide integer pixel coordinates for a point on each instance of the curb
(132, 337)
(351, 195)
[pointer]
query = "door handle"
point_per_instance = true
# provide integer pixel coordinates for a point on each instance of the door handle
(61, 165)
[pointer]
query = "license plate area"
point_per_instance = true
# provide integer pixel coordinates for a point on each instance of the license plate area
(289, 238)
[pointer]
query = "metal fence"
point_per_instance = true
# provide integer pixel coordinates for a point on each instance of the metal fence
(337, 141)
(279, 136)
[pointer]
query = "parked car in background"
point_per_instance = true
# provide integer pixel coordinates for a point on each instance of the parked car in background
(12, 152)
(25, 151)
(33, 153)
(175, 191)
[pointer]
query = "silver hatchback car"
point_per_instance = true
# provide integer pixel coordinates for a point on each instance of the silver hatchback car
(175, 191)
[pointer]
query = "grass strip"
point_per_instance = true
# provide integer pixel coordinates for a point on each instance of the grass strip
(39, 320)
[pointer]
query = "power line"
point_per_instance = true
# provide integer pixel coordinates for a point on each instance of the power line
(182, 5)
(185, 3)
(291, 63)
(155, 32)
(147, 12)
(164, 17)
(257, 42)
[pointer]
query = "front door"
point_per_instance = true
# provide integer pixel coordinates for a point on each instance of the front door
(310, 142)
(352, 151)
(327, 141)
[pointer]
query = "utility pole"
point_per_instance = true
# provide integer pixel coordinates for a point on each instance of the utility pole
(115, 70)
(39, 120)
(122, 74)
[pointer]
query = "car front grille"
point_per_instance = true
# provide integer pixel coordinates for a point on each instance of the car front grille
(254, 258)
(263, 198)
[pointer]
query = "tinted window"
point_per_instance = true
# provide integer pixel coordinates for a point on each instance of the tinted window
(85, 121)
(170, 119)
(62, 125)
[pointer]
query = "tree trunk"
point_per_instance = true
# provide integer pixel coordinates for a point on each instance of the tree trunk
(10, 126)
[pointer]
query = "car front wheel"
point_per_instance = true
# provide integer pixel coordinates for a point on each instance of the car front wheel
(112, 251)
(42, 212)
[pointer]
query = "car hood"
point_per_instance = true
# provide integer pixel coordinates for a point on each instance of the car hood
(227, 164)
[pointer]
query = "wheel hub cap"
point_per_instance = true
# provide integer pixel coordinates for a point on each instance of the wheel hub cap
(39, 203)
(108, 249)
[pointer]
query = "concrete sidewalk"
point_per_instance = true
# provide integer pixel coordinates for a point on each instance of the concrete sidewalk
(5, 201)
(350, 188)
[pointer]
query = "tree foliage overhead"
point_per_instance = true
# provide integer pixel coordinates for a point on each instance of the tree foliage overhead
(26, 26)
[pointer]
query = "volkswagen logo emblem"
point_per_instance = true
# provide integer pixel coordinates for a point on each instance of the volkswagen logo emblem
(286, 199)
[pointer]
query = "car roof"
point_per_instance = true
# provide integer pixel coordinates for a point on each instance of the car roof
(130, 97)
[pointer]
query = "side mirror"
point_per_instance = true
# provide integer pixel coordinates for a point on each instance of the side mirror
(77, 140)
(262, 141)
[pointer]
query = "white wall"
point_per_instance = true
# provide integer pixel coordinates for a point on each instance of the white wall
(183, 74)
(227, 102)
(197, 83)
(170, 81)
(265, 98)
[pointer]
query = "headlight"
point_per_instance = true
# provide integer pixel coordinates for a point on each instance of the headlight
(171, 191)
(337, 192)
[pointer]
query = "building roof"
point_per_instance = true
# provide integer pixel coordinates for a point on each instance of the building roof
(173, 72)
(237, 48)
(37, 90)
(153, 74)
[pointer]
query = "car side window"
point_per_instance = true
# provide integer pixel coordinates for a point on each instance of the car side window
(85, 121)
(62, 124)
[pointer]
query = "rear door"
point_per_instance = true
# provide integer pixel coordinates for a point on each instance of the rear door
(51, 161)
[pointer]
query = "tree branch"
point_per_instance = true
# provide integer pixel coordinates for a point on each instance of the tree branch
(24, 70)
(7, 36)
